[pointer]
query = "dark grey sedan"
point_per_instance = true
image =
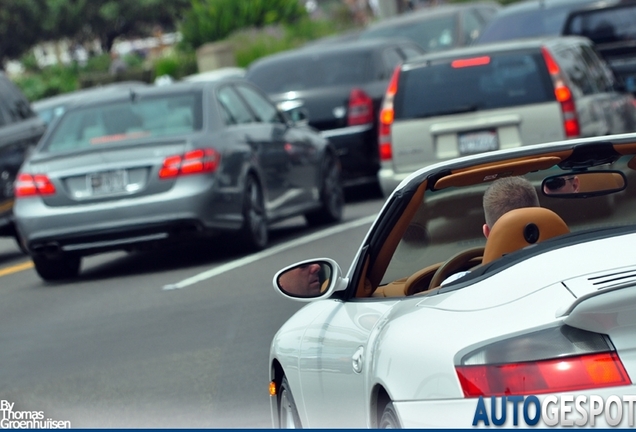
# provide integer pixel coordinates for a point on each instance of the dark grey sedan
(157, 164)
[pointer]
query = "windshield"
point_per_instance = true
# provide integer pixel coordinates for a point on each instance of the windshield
(443, 88)
(432, 35)
(312, 71)
(450, 220)
(111, 123)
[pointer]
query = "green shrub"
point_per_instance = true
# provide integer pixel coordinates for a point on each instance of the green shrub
(214, 20)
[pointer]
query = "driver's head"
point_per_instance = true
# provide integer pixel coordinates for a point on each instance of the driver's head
(505, 194)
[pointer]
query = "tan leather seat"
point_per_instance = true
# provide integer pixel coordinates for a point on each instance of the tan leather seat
(520, 228)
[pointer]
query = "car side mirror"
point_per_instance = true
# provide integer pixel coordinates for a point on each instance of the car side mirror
(310, 279)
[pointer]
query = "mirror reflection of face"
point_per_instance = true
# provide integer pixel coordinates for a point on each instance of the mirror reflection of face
(562, 185)
(302, 281)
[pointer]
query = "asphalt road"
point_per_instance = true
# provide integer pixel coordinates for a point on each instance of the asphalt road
(174, 338)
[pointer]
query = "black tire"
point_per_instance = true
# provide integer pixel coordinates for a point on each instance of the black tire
(58, 268)
(254, 233)
(331, 195)
(389, 419)
(287, 413)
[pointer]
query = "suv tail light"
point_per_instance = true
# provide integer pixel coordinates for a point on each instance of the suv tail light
(555, 360)
(193, 162)
(360, 108)
(387, 115)
(564, 96)
(33, 185)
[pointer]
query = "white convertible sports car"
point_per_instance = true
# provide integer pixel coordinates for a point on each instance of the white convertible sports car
(540, 332)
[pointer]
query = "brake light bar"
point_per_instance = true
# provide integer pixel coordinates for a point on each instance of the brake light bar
(469, 62)
(28, 185)
(545, 376)
(193, 162)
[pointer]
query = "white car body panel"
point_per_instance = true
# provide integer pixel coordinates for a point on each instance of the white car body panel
(336, 353)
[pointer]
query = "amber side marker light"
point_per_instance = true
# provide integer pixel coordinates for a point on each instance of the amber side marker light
(272, 388)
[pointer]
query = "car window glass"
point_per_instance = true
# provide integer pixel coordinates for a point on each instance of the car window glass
(471, 27)
(236, 108)
(599, 72)
(507, 79)
(605, 26)
(571, 61)
(109, 124)
(391, 59)
(305, 72)
(431, 34)
(410, 52)
(263, 108)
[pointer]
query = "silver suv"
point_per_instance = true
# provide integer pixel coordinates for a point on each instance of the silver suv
(496, 96)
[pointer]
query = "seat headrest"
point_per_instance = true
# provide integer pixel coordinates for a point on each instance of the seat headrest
(520, 228)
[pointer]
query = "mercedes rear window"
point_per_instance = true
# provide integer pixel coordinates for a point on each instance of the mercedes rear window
(454, 86)
(309, 71)
(109, 124)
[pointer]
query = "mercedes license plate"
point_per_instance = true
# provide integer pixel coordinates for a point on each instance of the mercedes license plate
(105, 183)
(477, 142)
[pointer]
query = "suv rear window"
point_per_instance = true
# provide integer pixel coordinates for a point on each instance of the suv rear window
(605, 25)
(498, 81)
(312, 71)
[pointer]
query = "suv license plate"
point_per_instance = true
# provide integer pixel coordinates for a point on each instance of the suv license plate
(107, 182)
(477, 142)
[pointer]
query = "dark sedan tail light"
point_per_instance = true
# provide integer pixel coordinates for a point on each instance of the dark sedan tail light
(360, 108)
(563, 96)
(387, 115)
(562, 359)
(193, 162)
(33, 185)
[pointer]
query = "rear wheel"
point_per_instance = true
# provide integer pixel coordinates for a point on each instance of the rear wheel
(287, 412)
(58, 268)
(389, 419)
(254, 233)
(331, 195)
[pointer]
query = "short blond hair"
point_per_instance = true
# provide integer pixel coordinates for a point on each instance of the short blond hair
(505, 194)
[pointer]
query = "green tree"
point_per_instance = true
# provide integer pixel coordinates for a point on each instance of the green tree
(212, 20)
(19, 34)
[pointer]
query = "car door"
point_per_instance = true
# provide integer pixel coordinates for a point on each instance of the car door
(20, 131)
(295, 155)
(336, 360)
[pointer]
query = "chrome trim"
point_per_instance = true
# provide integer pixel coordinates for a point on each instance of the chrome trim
(349, 130)
(81, 246)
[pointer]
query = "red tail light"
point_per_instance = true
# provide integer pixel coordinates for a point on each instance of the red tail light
(33, 185)
(387, 115)
(193, 162)
(564, 96)
(360, 108)
(544, 376)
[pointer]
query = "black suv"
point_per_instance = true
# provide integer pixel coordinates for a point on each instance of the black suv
(20, 130)
(611, 25)
(339, 88)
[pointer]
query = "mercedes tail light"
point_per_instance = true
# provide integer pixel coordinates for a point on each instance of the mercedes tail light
(562, 359)
(193, 162)
(28, 185)
(387, 115)
(360, 108)
(563, 96)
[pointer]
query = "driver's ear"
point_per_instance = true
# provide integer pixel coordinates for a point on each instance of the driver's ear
(486, 230)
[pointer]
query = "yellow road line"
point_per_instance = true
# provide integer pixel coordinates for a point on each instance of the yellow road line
(16, 268)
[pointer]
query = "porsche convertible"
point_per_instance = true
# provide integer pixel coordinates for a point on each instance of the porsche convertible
(539, 330)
